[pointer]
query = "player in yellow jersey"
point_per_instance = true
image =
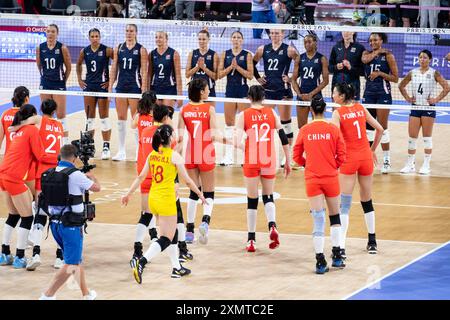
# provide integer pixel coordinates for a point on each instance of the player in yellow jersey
(164, 164)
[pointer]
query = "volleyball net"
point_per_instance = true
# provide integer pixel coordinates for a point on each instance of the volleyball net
(21, 34)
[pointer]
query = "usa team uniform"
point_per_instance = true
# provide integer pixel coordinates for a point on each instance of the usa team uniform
(236, 83)
(209, 62)
(163, 80)
(423, 87)
(276, 64)
(129, 68)
(377, 91)
(97, 69)
(310, 71)
(52, 67)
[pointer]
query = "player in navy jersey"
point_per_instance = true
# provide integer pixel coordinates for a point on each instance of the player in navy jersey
(277, 57)
(237, 65)
(130, 67)
(96, 57)
(54, 64)
(380, 69)
(164, 70)
(203, 63)
(309, 67)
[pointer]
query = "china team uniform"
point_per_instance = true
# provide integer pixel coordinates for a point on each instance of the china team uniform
(52, 71)
(325, 149)
(423, 87)
(129, 68)
(144, 121)
(97, 69)
(276, 64)
(51, 134)
(353, 127)
(310, 71)
(209, 62)
(200, 152)
(6, 121)
(163, 80)
(236, 83)
(260, 156)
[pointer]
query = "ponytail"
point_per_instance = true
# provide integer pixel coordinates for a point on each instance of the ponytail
(24, 113)
(348, 90)
(20, 94)
(161, 138)
(318, 105)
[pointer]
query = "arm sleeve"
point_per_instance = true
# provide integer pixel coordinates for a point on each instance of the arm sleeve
(340, 149)
(297, 153)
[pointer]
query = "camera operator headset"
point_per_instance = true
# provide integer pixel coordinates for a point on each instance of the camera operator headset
(67, 216)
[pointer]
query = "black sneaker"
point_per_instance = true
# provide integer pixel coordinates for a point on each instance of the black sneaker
(138, 269)
(372, 248)
(185, 256)
(180, 272)
(338, 261)
(321, 264)
(343, 254)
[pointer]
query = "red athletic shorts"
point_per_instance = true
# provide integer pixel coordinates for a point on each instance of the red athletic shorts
(14, 188)
(362, 167)
(330, 188)
(266, 173)
(203, 167)
(146, 185)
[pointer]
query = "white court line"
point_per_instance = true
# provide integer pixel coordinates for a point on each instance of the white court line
(396, 270)
(379, 204)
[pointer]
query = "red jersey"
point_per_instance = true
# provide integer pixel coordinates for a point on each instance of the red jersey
(51, 133)
(260, 127)
(325, 150)
(200, 148)
(7, 119)
(144, 121)
(25, 148)
(353, 128)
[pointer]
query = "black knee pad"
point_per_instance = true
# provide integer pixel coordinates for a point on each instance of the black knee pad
(145, 219)
(40, 219)
(26, 222)
(335, 219)
(179, 212)
(193, 196)
(163, 242)
(267, 198)
(209, 195)
(252, 203)
(175, 237)
(367, 206)
(12, 220)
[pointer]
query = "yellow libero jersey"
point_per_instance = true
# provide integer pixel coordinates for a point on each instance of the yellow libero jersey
(162, 198)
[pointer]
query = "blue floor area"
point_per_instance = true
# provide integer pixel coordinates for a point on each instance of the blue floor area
(425, 279)
(75, 103)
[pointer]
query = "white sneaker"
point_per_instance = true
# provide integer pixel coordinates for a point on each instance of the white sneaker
(44, 297)
(386, 168)
(425, 169)
(58, 263)
(106, 154)
(91, 296)
(34, 262)
(409, 168)
(120, 156)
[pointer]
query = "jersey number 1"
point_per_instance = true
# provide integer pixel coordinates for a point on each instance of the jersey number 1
(356, 124)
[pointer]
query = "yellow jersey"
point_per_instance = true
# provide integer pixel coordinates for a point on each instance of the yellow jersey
(162, 196)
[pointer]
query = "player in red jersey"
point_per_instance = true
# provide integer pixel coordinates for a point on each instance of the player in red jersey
(324, 145)
(199, 120)
(351, 118)
(260, 123)
(25, 148)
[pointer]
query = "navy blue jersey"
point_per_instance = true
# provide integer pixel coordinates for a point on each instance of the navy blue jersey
(129, 66)
(234, 78)
(52, 62)
(209, 62)
(378, 85)
(310, 71)
(276, 64)
(163, 68)
(97, 65)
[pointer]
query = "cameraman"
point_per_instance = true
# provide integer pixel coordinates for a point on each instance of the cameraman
(70, 238)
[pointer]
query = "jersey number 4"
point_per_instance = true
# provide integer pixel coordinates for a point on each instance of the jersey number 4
(420, 89)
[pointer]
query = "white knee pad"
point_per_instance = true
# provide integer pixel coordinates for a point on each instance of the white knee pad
(90, 124)
(412, 143)
(385, 138)
(370, 135)
(428, 143)
(105, 124)
(64, 124)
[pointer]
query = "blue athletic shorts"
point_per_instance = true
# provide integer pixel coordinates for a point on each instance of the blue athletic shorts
(236, 91)
(70, 239)
(95, 87)
(52, 85)
(279, 94)
(130, 89)
(422, 113)
(381, 98)
(168, 90)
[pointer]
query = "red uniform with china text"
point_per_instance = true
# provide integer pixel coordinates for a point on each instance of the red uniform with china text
(144, 122)
(200, 152)
(7, 119)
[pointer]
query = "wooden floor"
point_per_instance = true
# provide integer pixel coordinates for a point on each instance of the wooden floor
(412, 218)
